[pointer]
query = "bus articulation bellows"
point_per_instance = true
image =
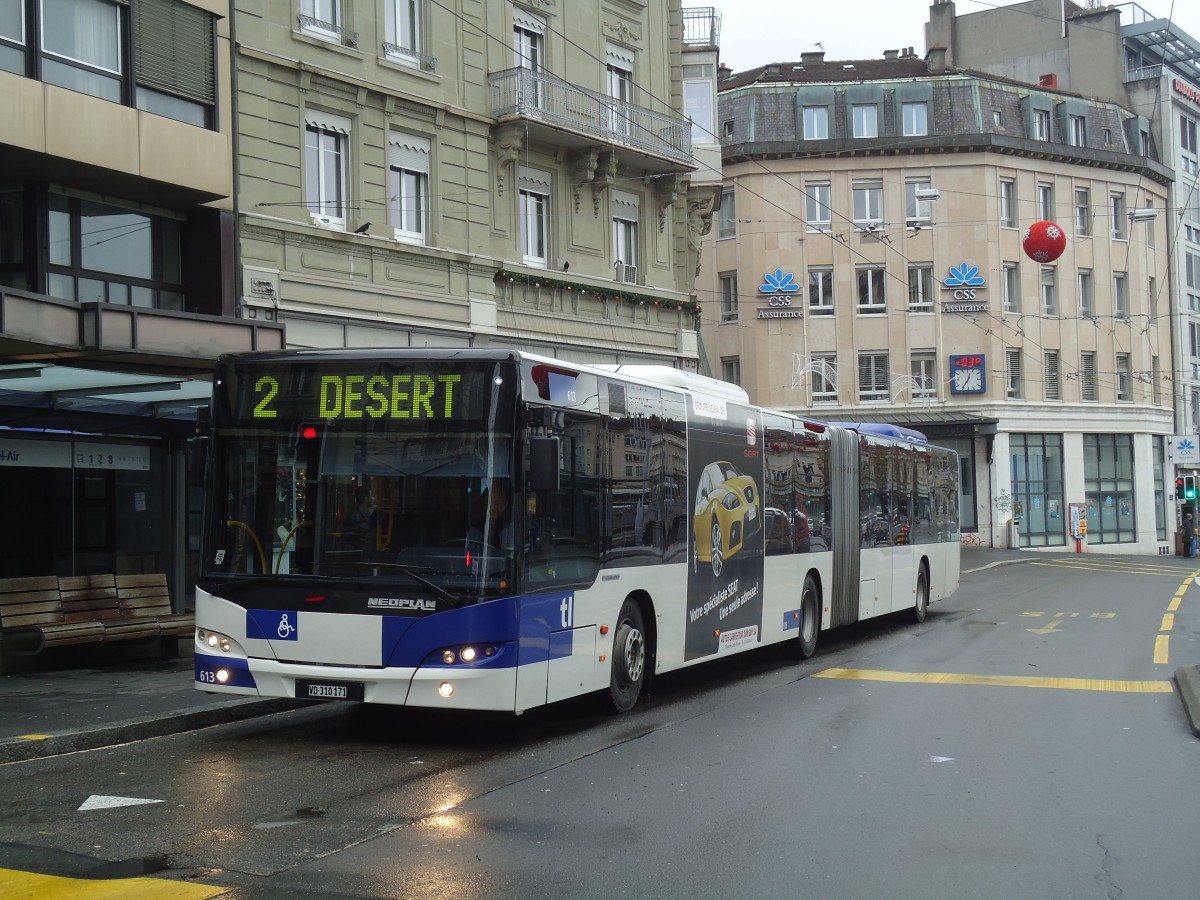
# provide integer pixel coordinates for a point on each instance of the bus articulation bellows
(494, 530)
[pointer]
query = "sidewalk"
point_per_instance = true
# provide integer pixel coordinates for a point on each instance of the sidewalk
(94, 697)
(80, 698)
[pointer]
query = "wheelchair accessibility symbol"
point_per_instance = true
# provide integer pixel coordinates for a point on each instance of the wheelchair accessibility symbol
(286, 630)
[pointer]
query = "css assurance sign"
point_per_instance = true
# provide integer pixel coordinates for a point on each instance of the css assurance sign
(777, 289)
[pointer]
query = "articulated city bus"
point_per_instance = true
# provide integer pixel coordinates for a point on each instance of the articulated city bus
(494, 530)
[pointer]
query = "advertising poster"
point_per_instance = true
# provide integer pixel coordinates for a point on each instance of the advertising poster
(725, 480)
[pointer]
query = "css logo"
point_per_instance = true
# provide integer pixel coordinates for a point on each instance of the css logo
(965, 295)
(780, 301)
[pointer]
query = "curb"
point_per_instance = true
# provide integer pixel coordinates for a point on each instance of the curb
(1187, 679)
(140, 729)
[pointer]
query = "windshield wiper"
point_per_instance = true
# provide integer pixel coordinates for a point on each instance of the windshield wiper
(452, 599)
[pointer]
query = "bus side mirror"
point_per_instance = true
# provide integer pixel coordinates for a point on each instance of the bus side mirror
(197, 460)
(543, 464)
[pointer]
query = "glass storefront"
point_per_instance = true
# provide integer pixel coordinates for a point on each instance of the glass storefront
(967, 511)
(1108, 482)
(1037, 489)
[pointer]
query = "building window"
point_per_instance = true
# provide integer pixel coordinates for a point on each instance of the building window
(529, 41)
(1045, 202)
(1193, 339)
(731, 369)
(324, 19)
(112, 254)
(1077, 134)
(1049, 292)
(1010, 287)
(1008, 203)
(698, 91)
(1155, 382)
(1083, 212)
(1012, 372)
(1160, 486)
(1124, 375)
(402, 24)
(923, 367)
(816, 123)
(727, 216)
(872, 298)
(865, 119)
(1119, 230)
(915, 118)
(727, 130)
(81, 47)
(1188, 156)
(326, 168)
(820, 291)
(1037, 488)
(1120, 296)
(921, 288)
(175, 61)
(1191, 277)
(626, 213)
(408, 190)
(917, 211)
(534, 203)
(872, 376)
(620, 89)
(1108, 488)
(729, 296)
(998, 118)
(818, 212)
(1041, 125)
(823, 375)
(1087, 375)
(1050, 372)
(868, 204)
(1087, 298)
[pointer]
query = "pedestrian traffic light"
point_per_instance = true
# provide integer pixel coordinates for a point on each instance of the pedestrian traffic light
(1189, 487)
(1179, 488)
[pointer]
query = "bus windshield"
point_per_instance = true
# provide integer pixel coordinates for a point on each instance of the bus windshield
(378, 470)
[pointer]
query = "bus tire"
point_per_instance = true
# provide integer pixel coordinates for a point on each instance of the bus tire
(921, 606)
(628, 658)
(810, 619)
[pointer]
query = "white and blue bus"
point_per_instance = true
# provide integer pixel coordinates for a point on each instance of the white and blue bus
(494, 530)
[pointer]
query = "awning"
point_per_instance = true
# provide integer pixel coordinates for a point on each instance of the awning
(38, 396)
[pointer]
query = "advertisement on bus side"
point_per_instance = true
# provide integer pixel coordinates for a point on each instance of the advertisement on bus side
(725, 478)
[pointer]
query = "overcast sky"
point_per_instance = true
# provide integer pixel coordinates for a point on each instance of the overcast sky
(754, 32)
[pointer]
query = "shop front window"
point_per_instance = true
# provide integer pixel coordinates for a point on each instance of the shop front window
(1108, 482)
(1037, 489)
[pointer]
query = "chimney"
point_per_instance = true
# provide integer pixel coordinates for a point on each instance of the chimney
(936, 59)
(1049, 80)
(891, 54)
(812, 57)
(723, 72)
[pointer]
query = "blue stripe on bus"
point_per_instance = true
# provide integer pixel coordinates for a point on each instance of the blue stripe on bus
(239, 671)
(791, 620)
(545, 619)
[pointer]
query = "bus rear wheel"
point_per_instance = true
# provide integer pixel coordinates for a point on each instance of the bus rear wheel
(628, 659)
(810, 619)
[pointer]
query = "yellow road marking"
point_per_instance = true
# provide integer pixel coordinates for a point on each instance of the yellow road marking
(34, 737)
(1070, 684)
(1168, 622)
(1173, 605)
(1162, 652)
(53, 887)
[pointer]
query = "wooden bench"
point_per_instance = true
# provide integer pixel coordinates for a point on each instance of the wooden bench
(48, 611)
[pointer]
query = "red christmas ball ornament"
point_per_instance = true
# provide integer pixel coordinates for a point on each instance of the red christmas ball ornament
(1044, 242)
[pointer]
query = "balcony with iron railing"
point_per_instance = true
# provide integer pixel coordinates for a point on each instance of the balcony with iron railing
(580, 116)
(329, 31)
(701, 27)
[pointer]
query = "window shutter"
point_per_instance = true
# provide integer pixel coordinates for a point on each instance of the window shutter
(1052, 375)
(1087, 376)
(174, 49)
(406, 151)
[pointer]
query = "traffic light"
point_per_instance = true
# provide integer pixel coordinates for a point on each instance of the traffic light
(1189, 487)
(1179, 487)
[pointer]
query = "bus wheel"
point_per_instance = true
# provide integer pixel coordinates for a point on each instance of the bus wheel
(921, 607)
(628, 659)
(810, 619)
(717, 550)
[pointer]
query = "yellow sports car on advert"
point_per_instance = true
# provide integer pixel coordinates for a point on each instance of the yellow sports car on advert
(727, 514)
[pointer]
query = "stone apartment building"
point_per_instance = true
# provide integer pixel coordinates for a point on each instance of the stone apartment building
(867, 265)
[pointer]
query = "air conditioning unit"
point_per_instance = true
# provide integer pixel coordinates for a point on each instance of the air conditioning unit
(1049, 80)
(627, 274)
(325, 221)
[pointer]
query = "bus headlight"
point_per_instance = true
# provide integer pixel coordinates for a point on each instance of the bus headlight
(446, 690)
(468, 653)
(214, 640)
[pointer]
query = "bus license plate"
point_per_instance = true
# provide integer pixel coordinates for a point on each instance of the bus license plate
(329, 690)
